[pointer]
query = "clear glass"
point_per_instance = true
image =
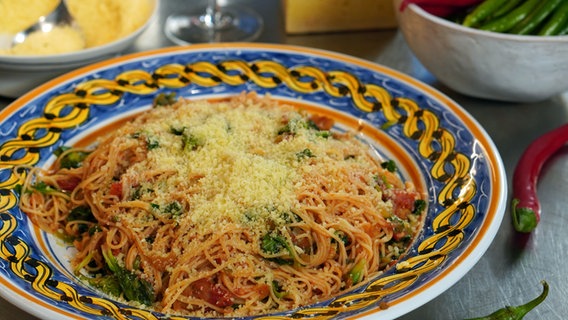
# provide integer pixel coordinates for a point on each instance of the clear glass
(215, 23)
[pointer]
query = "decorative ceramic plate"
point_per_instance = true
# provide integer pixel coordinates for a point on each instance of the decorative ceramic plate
(440, 147)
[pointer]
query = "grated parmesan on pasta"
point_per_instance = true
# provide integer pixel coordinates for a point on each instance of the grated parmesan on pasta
(232, 208)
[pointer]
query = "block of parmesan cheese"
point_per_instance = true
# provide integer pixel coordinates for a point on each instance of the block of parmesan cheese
(315, 16)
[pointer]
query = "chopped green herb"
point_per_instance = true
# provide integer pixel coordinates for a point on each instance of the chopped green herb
(398, 224)
(82, 213)
(152, 143)
(164, 99)
(344, 238)
(177, 131)
(174, 209)
(94, 229)
(287, 129)
(382, 183)
(312, 125)
(83, 263)
(324, 134)
(356, 273)
(57, 152)
(419, 206)
(67, 238)
(289, 217)
(136, 193)
(273, 243)
(107, 284)
(390, 165)
(131, 286)
(306, 153)
(402, 230)
(294, 125)
(43, 188)
(70, 160)
(190, 142)
(137, 263)
(277, 289)
(405, 239)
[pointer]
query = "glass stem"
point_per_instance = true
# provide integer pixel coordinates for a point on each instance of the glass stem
(214, 18)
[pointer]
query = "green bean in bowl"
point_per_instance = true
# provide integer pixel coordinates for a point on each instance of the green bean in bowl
(524, 17)
(507, 50)
(529, 17)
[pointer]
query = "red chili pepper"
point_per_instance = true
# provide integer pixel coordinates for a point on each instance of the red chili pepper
(440, 8)
(525, 207)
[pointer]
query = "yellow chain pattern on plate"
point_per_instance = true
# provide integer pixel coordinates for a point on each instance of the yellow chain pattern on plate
(434, 144)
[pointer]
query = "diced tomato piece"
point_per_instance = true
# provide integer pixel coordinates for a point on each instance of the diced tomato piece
(322, 122)
(403, 203)
(116, 189)
(212, 292)
(298, 240)
(262, 289)
(69, 184)
(399, 235)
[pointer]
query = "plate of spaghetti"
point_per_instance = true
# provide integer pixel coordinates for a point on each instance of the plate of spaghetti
(243, 181)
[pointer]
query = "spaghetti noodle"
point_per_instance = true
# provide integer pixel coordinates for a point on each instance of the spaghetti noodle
(233, 208)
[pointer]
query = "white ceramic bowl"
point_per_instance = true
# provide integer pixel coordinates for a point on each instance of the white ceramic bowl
(486, 64)
(19, 74)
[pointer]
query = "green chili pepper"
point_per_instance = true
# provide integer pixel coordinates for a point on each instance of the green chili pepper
(536, 17)
(482, 11)
(557, 22)
(508, 21)
(503, 10)
(518, 312)
(564, 31)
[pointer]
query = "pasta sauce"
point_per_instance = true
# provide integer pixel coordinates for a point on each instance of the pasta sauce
(234, 208)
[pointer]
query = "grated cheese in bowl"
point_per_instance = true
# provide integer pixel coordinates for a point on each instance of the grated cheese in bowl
(97, 22)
